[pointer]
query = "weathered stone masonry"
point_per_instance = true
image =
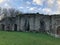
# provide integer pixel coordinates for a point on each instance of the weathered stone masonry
(32, 22)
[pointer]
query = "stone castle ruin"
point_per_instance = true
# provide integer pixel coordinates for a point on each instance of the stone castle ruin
(32, 23)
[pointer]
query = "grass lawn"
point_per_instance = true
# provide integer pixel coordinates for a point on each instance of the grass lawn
(24, 38)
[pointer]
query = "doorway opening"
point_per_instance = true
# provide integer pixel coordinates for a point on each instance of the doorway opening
(42, 26)
(15, 27)
(58, 30)
(27, 25)
(3, 26)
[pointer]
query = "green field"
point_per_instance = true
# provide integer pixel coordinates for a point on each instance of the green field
(25, 38)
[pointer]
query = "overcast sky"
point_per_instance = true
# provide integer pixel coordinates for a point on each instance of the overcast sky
(33, 6)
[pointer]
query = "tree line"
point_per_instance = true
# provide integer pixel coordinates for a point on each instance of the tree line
(4, 12)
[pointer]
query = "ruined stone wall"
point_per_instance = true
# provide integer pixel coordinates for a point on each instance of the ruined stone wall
(55, 23)
(39, 23)
(33, 23)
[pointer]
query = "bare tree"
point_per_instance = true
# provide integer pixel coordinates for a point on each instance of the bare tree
(14, 12)
(4, 12)
(9, 12)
